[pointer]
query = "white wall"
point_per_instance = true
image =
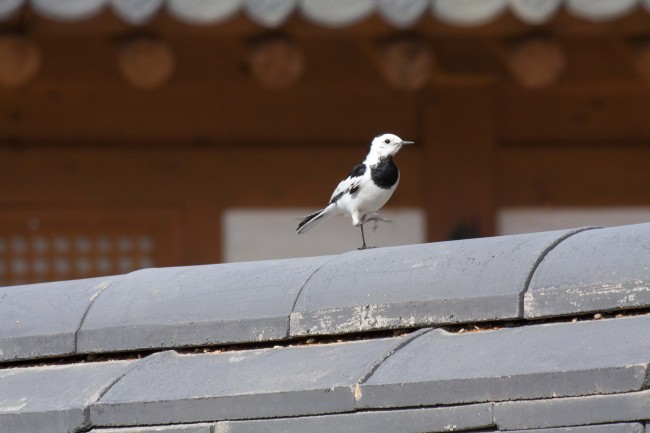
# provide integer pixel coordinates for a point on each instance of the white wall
(536, 219)
(259, 234)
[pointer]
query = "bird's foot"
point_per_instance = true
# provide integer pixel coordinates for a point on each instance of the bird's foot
(365, 247)
(377, 217)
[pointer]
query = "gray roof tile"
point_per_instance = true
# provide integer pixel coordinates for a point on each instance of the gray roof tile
(551, 360)
(199, 305)
(187, 428)
(53, 399)
(41, 320)
(593, 271)
(631, 427)
(304, 380)
(441, 419)
(562, 377)
(419, 285)
(572, 411)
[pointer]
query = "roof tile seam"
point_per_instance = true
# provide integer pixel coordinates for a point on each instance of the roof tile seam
(295, 301)
(541, 258)
(107, 284)
(127, 427)
(450, 328)
(446, 320)
(142, 354)
(493, 402)
(321, 339)
(418, 333)
(85, 425)
(87, 421)
(646, 379)
(211, 424)
(214, 424)
(355, 411)
(599, 394)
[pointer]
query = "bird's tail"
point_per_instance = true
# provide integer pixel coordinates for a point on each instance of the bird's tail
(310, 221)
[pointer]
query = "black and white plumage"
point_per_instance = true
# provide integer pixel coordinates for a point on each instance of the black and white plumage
(366, 188)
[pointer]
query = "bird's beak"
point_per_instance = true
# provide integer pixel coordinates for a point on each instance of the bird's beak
(405, 142)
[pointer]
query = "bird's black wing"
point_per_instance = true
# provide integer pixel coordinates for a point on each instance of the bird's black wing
(350, 184)
(358, 171)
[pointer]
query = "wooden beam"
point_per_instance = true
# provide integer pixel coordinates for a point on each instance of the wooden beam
(568, 114)
(596, 174)
(507, 25)
(232, 176)
(641, 59)
(206, 101)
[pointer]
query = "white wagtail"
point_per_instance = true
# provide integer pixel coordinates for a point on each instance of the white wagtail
(366, 189)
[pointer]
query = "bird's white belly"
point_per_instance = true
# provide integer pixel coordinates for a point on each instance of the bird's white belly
(368, 199)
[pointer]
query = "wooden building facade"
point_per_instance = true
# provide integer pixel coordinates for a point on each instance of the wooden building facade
(124, 138)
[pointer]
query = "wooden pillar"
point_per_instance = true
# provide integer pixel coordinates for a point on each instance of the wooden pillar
(459, 138)
(641, 59)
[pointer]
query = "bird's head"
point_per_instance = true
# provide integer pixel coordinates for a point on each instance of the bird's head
(387, 145)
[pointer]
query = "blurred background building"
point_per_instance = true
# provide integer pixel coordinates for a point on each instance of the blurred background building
(139, 133)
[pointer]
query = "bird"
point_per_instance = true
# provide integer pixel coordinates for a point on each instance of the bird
(366, 189)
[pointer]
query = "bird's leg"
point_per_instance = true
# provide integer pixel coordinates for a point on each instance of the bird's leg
(360, 222)
(363, 238)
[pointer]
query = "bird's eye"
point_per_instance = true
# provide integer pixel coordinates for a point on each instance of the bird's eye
(387, 141)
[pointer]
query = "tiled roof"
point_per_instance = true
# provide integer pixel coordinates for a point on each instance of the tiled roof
(329, 13)
(453, 336)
